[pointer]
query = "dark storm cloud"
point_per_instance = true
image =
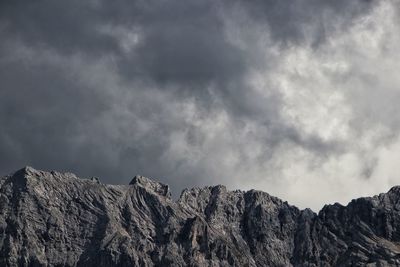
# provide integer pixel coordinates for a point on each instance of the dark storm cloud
(306, 20)
(158, 88)
(65, 26)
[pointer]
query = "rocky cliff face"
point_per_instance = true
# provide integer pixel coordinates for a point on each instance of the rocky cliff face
(55, 219)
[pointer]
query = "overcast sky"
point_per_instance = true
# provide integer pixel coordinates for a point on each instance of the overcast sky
(300, 99)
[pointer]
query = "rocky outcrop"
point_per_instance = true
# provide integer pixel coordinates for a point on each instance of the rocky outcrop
(57, 219)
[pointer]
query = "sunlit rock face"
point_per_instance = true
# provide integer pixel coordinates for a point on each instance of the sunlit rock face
(58, 219)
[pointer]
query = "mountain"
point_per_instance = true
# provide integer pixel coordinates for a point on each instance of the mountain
(58, 219)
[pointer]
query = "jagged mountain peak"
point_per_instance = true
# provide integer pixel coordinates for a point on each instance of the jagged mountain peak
(57, 219)
(152, 185)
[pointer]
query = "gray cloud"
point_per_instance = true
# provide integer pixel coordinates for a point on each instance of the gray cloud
(294, 98)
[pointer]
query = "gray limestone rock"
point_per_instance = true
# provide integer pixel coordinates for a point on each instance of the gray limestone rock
(58, 219)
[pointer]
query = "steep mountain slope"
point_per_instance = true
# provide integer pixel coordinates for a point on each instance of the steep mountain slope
(55, 219)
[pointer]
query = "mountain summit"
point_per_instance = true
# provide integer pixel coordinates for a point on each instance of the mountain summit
(57, 219)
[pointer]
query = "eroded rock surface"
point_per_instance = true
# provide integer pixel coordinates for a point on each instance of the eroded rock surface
(57, 219)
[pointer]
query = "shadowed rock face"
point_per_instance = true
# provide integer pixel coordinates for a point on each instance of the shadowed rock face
(55, 219)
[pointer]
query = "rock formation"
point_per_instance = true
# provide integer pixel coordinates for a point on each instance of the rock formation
(57, 219)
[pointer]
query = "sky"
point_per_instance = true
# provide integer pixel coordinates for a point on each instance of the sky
(296, 98)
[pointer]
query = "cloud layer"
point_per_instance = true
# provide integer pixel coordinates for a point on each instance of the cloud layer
(299, 99)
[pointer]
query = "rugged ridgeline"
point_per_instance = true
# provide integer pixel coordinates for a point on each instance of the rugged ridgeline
(55, 219)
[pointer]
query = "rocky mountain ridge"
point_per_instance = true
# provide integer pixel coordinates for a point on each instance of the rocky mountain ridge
(58, 219)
